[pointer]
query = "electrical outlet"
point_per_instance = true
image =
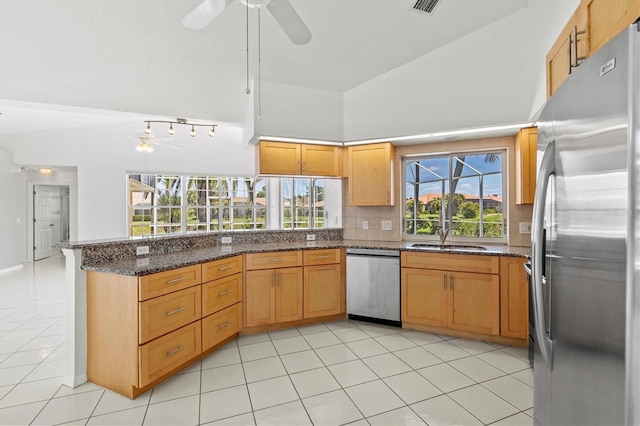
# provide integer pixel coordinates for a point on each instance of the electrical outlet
(311, 237)
(365, 224)
(525, 227)
(140, 250)
(386, 225)
(226, 240)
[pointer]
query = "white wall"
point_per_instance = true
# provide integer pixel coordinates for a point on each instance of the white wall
(103, 157)
(495, 75)
(298, 112)
(13, 220)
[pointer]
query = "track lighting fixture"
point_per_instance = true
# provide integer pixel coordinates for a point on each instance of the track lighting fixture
(184, 121)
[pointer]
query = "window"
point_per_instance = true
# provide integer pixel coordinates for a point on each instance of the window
(302, 203)
(169, 204)
(461, 194)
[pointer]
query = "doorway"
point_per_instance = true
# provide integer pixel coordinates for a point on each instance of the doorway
(50, 219)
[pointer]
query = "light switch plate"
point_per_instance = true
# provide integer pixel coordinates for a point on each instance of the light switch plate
(365, 224)
(226, 240)
(386, 225)
(311, 237)
(140, 250)
(525, 227)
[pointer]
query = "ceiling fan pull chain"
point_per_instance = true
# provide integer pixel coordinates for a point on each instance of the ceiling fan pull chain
(247, 9)
(259, 70)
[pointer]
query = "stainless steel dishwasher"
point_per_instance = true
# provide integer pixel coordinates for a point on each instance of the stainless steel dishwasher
(373, 285)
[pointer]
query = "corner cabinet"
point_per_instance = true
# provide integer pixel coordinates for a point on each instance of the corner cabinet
(526, 164)
(283, 158)
(482, 297)
(370, 174)
(273, 290)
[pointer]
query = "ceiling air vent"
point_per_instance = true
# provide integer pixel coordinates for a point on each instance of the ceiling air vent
(425, 6)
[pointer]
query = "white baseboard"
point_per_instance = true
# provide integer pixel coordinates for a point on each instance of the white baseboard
(11, 268)
(74, 381)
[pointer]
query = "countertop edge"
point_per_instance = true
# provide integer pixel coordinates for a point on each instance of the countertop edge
(145, 265)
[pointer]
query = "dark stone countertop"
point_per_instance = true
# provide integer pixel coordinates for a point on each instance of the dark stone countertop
(144, 265)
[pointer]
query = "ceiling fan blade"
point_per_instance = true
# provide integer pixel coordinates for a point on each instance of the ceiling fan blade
(290, 22)
(204, 13)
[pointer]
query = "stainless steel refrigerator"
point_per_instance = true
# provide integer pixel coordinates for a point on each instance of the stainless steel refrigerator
(585, 243)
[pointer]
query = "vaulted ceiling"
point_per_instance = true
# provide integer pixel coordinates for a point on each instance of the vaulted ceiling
(136, 56)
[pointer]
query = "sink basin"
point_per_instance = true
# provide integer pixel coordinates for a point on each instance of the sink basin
(447, 246)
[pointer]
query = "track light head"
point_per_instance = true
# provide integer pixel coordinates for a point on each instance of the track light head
(171, 131)
(147, 129)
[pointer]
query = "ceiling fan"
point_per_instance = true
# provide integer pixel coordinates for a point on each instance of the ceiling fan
(147, 141)
(281, 10)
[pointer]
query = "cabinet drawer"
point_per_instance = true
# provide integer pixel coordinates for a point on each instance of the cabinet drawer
(451, 262)
(221, 268)
(168, 281)
(321, 257)
(281, 259)
(219, 326)
(221, 293)
(166, 313)
(168, 352)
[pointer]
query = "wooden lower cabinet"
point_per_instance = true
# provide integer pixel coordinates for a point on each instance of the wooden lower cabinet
(514, 298)
(486, 300)
(457, 300)
(424, 298)
(322, 290)
(221, 325)
(473, 302)
(273, 296)
(168, 352)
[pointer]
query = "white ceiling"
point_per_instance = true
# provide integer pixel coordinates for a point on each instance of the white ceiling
(136, 57)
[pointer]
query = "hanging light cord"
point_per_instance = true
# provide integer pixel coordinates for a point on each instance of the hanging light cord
(247, 9)
(259, 71)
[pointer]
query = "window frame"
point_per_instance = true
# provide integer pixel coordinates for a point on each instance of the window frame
(503, 151)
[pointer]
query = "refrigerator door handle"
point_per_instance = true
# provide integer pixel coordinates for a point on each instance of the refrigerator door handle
(547, 168)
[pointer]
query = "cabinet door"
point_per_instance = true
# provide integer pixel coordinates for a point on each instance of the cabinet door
(322, 290)
(526, 164)
(221, 325)
(219, 294)
(474, 302)
(514, 298)
(288, 294)
(279, 158)
(260, 297)
(558, 58)
(608, 17)
(370, 175)
(163, 314)
(320, 160)
(423, 296)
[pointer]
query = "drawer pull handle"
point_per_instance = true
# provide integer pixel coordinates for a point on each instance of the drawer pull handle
(176, 280)
(224, 268)
(175, 351)
(224, 293)
(324, 256)
(275, 260)
(175, 311)
(326, 268)
(226, 324)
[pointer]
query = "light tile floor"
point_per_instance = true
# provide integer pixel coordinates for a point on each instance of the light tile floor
(342, 372)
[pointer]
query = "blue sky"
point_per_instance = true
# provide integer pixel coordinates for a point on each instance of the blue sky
(469, 185)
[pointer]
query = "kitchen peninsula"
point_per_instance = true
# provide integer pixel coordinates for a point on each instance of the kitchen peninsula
(113, 291)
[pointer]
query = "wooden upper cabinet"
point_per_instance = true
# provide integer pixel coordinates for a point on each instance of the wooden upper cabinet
(599, 21)
(283, 158)
(526, 164)
(371, 174)
(607, 18)
(564, 53)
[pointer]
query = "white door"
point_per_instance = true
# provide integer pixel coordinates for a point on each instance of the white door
(46, 221)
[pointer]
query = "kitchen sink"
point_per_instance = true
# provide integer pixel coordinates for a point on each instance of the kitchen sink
(447, 246)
